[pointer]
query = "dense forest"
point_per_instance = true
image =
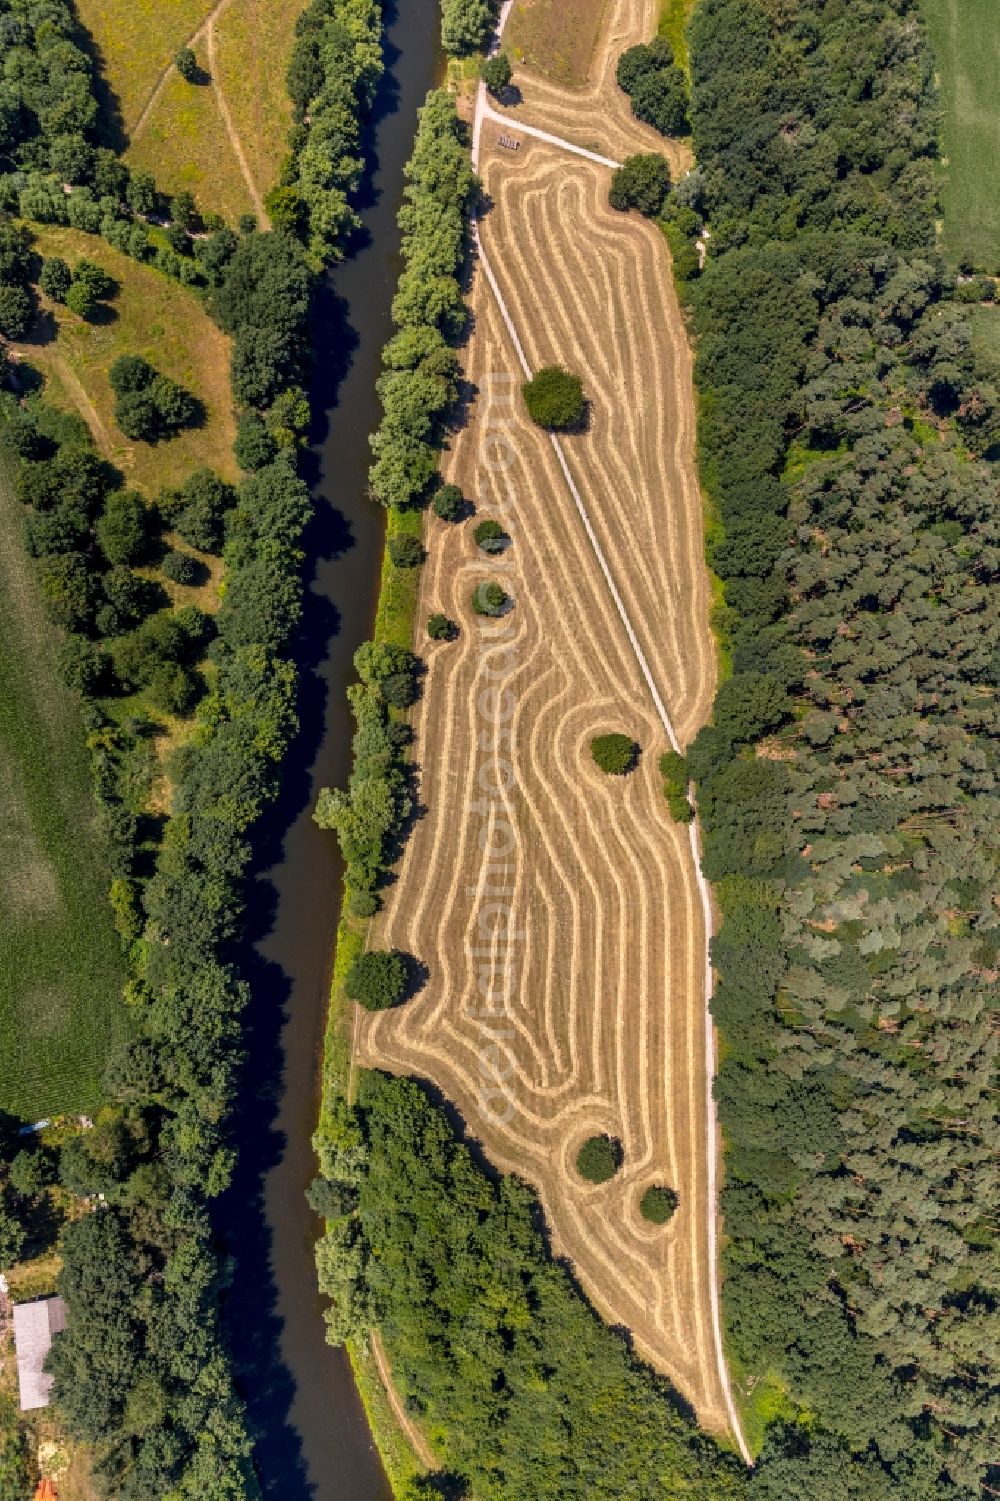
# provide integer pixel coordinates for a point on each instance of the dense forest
(142, 1372)
(847, 785)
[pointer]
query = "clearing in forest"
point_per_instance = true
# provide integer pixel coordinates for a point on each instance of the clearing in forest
(60, 966)
(151, 316)
(596, 115)
(558, 909)
(965, 36)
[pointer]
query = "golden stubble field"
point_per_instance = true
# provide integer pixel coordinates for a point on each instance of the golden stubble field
(556, 909)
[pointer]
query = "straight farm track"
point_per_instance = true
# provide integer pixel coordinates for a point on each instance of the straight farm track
(557, 910)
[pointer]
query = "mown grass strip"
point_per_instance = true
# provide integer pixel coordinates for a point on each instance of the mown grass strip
(965, 36)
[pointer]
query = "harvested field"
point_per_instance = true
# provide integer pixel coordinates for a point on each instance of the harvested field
(598, 115)
(151, 316)
(537, 35)
(60, 968)
(557, 909)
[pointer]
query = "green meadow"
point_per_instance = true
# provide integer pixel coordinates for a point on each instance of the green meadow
(965, 36)
(60, 968)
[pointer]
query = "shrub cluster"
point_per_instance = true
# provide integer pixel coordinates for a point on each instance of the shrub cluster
(497, 73)
(149, 406)
(658, 1204)
(599, 1159)
(465, 25)
(489, 598)
(655, 85)
(673, 769)
(420, 381)
(333, 77)
(614, 754)
(262, 300)
(187, 65)
(17, 300)
(369, 817)
(82, 289)
(554, 398)
(377, 980)
(490, 536)
(641, 182)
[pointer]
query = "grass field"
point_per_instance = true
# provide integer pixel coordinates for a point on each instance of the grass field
(224, 139)
(965, 36)
(538, 35)
(674, 16)
(136, 40)
(151, 316)
(253, 42)
(185, 145)
(60, 971)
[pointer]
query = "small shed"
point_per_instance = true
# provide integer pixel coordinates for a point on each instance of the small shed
(35, 1325)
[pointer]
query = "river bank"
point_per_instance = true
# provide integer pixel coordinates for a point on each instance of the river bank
(311, 1435)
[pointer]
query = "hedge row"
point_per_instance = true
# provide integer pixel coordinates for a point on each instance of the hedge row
(333, 77)
(420, 382)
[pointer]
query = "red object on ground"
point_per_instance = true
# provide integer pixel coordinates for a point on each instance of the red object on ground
(46, 1490)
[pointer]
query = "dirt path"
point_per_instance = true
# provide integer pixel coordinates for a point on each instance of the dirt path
(231, 131)
(85, 406)
(485, 111)
(206, 33)
(414, 1437)
(161, 82)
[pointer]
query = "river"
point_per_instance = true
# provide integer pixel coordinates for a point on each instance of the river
(311, 1436)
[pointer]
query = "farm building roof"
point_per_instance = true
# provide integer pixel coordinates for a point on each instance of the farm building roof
(34, 1326)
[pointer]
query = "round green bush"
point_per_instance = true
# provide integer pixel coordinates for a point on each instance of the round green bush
(440, 628)
(56, 278)
(363, 903)
(642, 182)
(599, 1159)
(614, 754)
(489, 599)
(554, 398)
(377, 980)
(406, 552)
(658, 1204)
(497, 72)
(187, 65)
(490, 536)
(180, 568)
(448, 503)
